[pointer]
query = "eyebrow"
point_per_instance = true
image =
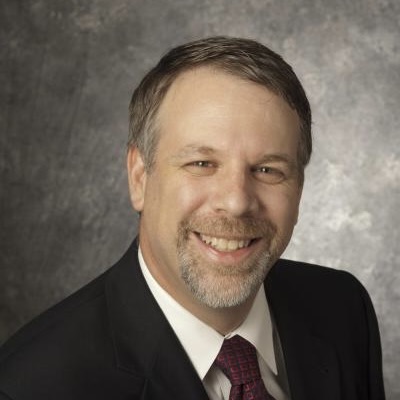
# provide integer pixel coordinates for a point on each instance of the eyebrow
(276, 158)
(193, 149)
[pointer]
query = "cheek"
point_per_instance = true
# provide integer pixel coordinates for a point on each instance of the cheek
(170, 201)
(188, 196)
(283, 208)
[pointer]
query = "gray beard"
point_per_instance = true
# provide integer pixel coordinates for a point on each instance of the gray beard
(223, 286)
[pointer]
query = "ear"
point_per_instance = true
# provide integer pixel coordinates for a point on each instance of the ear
(136, 178)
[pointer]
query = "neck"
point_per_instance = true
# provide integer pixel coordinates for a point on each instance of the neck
(223, 320)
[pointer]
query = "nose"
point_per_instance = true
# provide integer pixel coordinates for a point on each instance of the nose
(234, 194)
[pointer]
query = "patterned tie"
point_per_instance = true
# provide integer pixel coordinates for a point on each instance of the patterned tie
(238, 361)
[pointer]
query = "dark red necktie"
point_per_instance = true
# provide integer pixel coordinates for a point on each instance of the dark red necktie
(238, 361)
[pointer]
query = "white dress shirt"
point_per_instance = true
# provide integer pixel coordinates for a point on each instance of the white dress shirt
(202, 343)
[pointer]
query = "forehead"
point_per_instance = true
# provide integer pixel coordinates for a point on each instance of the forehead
(208, 103)
(211, 82)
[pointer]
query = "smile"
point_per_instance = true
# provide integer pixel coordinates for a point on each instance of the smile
(223, 244)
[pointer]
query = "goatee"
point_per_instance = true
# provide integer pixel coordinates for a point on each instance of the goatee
(222, 286)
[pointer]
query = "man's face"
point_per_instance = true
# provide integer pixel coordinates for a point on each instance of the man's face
(219, 206)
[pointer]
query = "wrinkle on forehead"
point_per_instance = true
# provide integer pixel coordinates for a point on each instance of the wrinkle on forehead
(212, 110)
(212, 92)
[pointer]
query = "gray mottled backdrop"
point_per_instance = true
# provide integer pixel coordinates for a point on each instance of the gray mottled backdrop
(68, 69)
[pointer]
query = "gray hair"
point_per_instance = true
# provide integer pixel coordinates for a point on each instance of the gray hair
(244, 58)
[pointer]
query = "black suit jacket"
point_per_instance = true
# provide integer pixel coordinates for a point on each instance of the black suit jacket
(110, 340)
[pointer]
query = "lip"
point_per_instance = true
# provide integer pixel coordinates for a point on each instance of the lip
(228, 257)
(223, 243)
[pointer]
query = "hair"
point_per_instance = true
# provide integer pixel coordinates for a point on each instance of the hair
(243, 58)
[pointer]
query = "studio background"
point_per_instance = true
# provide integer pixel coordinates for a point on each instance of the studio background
(68, 69)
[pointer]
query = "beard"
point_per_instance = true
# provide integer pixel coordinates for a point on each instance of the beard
(222, 286)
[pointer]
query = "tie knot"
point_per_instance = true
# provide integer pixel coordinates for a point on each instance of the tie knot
(238, 361)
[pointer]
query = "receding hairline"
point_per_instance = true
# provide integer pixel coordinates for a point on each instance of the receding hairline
(212, 68)
(246, 59)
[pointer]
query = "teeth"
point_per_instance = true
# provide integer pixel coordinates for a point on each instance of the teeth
(224, 244)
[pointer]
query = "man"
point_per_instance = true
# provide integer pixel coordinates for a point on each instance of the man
(201, 306)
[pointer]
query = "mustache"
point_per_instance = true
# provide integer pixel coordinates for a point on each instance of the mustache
(244, 227)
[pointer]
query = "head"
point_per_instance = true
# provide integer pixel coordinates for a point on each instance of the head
(220, 135)
(244, 58)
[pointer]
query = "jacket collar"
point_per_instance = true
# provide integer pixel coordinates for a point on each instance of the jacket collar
(311, 363)
(144, 343)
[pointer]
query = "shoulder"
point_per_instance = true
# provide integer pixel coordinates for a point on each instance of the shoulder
(48, 346)
(315, 280)
(335, 311)
(67, 351)
(320, 295)
(74, 307)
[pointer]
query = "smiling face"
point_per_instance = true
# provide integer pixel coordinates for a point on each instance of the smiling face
(219, 206)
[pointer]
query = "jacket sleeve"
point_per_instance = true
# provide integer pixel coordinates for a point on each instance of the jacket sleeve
(3, 396)
(376, 387)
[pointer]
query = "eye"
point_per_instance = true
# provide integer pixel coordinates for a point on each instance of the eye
(202, 164)
(200, 168)
(269, 174)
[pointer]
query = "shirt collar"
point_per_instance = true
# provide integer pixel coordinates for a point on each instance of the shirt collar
(201, 342)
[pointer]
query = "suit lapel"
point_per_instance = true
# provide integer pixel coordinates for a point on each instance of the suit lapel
(310, 362)
(146, 346)
(144, 342)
